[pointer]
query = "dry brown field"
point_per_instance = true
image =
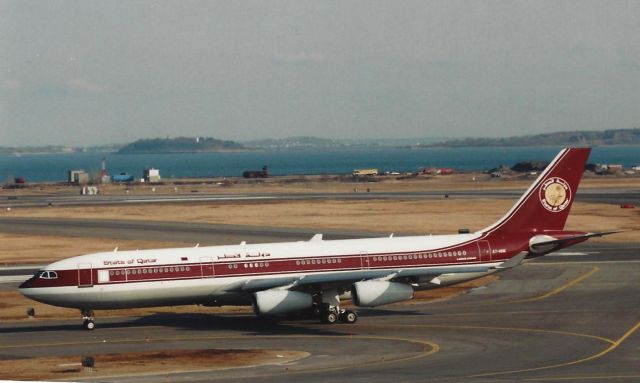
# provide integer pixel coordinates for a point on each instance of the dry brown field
(323, 184)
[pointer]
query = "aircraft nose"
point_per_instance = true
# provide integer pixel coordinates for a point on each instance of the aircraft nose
(26, 284)
(26, 288)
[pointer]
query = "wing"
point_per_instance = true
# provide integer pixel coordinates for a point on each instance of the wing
(348, 277)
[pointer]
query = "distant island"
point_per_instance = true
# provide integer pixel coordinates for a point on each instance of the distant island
(575, 138)
(180, 145)
(57, 149)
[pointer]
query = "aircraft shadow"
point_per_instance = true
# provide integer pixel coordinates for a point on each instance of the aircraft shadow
(375, 312)
(211, 322)
(239, 323)
(189, 321)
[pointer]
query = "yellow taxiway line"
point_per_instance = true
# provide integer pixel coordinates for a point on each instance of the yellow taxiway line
(560, 289)
(613, 346)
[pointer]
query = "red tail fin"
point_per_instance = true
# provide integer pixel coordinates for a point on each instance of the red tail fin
(546, 204)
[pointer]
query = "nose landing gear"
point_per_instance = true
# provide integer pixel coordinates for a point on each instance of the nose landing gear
(87, 319)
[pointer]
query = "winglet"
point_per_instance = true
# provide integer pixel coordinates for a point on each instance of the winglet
(317, 237)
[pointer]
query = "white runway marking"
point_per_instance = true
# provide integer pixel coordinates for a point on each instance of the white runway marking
(566, 254)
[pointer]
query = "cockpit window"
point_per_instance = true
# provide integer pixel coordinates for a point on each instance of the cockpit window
(48, 275)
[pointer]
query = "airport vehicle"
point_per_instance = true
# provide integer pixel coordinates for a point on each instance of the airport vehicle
(365, 172)
(314, 275)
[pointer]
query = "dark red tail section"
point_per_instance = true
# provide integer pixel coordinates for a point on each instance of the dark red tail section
(546, 204)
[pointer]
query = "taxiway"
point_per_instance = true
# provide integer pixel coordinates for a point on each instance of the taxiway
(572, 316)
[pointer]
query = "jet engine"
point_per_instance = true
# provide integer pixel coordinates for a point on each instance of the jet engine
(376, 293)
(274, 302)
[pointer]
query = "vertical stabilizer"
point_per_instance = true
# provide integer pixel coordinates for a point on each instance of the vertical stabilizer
(546, 204)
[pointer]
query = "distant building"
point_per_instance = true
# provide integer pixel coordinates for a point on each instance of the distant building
(78, 177)
(151, 175)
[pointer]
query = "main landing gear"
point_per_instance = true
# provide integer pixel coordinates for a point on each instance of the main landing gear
(331, 314)
(87, 319)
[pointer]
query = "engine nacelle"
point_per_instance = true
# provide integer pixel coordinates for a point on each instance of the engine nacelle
(537, 246)
(274, 302)
(376, 293)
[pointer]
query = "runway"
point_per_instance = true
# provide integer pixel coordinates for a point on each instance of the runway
(572, 316)
(607, 195)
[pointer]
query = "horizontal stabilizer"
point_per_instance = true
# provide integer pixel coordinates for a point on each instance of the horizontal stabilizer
(542, 246)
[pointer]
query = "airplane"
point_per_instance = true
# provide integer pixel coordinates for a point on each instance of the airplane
(315, 275)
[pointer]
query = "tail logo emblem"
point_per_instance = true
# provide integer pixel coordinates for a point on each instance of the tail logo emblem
(555, 194)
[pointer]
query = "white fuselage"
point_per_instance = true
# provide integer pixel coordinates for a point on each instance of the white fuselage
(226, 274)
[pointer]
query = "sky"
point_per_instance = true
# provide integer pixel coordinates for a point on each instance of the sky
(99, 72)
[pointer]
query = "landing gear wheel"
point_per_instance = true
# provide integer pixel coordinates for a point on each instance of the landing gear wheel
(88, 324)
(348, 317)
(329, 317)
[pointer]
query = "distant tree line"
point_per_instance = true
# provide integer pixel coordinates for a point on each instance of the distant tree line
(180, 144)
(587, 138)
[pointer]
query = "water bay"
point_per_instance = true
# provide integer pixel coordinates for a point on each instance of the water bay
(54, 167)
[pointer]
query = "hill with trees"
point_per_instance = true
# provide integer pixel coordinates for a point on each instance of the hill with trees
(180, 145)
(574, 138)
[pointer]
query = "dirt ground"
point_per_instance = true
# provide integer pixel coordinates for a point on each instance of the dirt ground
(324, 184)
(158, 362)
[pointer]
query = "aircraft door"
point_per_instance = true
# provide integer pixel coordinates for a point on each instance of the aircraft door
(364, 260)
(484, 251)
(85, 275)
(206, 264)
